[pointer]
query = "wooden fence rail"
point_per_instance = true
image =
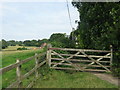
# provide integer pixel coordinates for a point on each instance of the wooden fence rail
(84, 50)
(55, 59)
(80, 59)
(21, 77)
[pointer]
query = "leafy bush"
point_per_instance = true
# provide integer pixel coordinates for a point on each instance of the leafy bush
(22, 48)
(4, 44)
(116, 69)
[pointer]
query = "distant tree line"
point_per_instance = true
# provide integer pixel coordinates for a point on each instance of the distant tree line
(56, 39)
(36, 43)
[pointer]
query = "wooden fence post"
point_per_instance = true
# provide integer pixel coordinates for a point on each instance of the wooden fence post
(49, 54)
(36, 65)
(111, 59)
(18, 72)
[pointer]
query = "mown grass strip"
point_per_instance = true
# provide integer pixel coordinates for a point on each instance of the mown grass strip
(71, 79)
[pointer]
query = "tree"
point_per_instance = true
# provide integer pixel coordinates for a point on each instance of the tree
(12, 43)
(98, 27)
(40, 42)
(4, 44)
(59, 40)
(27, 43)
(20, 43)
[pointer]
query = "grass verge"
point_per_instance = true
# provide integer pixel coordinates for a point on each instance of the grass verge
(62, 79)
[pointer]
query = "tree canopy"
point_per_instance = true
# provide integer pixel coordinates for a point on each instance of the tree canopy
(60, 40)
(99, 25)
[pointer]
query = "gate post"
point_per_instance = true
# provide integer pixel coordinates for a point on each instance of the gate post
(111, 59)
(49, 55)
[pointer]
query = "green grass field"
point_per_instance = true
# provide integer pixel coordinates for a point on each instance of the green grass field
(9, 57)
(48, 78)
(10, 54)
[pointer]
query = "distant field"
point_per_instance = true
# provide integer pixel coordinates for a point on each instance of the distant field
(15, 47)
(10, 54)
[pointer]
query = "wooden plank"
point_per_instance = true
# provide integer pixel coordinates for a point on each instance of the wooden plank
(111, 59)
(36, 65)
(78, 60)
(95, 61)
(25, 76)
(49, 55)
(96, 70)
(41, 54)
(5, 69)
(14, 84)
(26, 60)
(99, 59)
(18, 73)
(83, 55)
(62, 64)
(83, 50)
(64, 68)
(29, 73)
(76, 67)
(8, 68)
(31, 84)
(33, 70)
(42, 63)
(67, 64)
(67, 59)
(61, 68)
(49, 60)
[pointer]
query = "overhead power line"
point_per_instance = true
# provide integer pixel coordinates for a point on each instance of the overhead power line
(69, 14)
(73, 38)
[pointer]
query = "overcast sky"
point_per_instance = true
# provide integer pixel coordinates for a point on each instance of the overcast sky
(35, 20)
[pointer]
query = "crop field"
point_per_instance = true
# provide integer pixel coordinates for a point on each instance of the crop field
(15, 47)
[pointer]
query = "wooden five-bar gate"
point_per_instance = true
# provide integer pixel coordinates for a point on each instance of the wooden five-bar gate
(79, 59)
(62, 58)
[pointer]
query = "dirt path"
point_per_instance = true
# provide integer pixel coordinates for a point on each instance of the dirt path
(108, 78)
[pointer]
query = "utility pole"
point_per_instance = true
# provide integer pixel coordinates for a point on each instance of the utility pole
(73, 34)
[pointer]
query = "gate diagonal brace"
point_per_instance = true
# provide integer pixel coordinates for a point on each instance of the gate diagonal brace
(95, 61)
(67, 60)
(64, 58)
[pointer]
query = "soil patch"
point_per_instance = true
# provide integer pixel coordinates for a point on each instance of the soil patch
(108, 77)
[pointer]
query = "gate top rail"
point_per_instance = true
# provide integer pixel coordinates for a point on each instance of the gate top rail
(84, 50)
